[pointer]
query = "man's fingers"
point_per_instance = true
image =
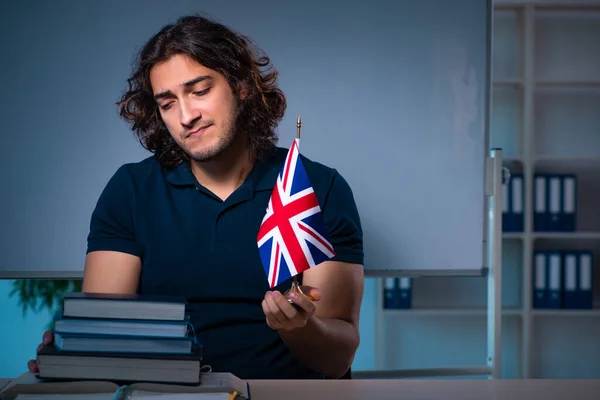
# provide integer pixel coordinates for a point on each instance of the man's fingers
(313, 293)
(32, 366)
(305, 304)
(288, 310)
(276, 314)
(47, 337)
(267, 312)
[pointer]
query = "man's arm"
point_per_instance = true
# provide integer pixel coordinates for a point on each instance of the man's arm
(328, 341)
(111, 272)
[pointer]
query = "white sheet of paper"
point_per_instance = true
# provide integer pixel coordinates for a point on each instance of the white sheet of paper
(179, 396)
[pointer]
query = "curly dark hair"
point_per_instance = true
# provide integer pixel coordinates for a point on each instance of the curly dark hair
(216, 47)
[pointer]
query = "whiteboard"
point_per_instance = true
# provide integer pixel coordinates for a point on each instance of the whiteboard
(393, 94)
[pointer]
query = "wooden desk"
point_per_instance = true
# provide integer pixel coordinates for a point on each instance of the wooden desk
(359, 389)
(426, 389)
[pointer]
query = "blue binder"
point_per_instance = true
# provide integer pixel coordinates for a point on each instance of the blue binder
(578, 278)
(547, 280)
(555, 198)
(540, 209)
(540, 288)
(391, 298)
(555, 203)
(554, 272)
(568, 215)
(512, 205)
(586, 279)
(571, 294)
(405, 293)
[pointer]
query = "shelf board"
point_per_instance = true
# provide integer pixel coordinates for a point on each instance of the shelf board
(566, 313)
(444, 312)
(564, 5)
(566, 160)
(508, 82)
(552, 5)
(566, 235)
(567, 84)
(513, 235)
(513, 159)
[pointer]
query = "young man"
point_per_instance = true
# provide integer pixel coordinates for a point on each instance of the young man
(185, 220)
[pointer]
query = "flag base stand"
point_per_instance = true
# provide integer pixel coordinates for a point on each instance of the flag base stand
(295, 288)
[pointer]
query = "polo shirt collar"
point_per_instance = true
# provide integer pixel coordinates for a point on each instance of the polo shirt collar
(181, 175)
(264, 174)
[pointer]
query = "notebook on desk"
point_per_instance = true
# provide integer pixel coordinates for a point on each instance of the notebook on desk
(211, 382)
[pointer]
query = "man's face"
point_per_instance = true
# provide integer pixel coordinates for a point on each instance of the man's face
(197, 106)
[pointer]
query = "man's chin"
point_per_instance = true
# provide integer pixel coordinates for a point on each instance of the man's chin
(207, 154)
(204, 156)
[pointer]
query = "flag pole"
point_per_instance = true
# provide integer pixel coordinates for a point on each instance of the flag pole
(295, 286)
(298, 126)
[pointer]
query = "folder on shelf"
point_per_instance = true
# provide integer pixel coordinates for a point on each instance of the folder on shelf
(555, 203)
(586, 279)
(571, 292)
(554, 268)
(397, 293)
(512, 207)
(547, 280)
(405, 293)
(569, 201)
(540, 289)
(390, 294)
(540, 215)
(578, 279)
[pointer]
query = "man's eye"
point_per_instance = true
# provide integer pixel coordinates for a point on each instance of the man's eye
(166, 106)
(202, 92)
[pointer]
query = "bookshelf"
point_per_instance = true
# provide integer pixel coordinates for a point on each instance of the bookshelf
(546, 118)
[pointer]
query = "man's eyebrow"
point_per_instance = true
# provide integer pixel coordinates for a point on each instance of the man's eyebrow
(187, 85)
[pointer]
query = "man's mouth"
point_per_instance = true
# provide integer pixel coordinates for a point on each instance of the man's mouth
(198, 131)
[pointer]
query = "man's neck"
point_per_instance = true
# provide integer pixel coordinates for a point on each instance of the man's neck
(225, 173)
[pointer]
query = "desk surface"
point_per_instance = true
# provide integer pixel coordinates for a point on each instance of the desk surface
(560, 389)
(426, 389)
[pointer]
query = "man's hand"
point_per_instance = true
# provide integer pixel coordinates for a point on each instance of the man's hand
(283, 316)
(47, 339)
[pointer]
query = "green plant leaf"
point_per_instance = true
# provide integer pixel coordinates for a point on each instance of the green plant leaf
(45, 294)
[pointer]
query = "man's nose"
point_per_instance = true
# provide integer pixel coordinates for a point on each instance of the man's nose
(188, 115)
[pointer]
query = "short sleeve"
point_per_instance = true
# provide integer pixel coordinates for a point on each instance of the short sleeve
(343, 222)
(112, 221)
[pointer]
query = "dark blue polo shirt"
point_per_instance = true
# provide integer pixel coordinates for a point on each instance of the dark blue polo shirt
(194, 244)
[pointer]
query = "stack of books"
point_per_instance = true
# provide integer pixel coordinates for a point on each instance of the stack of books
(122, 338)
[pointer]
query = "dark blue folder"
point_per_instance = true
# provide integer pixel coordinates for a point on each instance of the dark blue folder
(547, 279)
(579, 278)
(569, 203)
(513, 199)
(540, 203)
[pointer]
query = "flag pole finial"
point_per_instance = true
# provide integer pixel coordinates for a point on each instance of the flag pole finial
(299, 125)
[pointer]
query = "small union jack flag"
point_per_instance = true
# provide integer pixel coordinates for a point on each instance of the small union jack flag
(292, 237)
